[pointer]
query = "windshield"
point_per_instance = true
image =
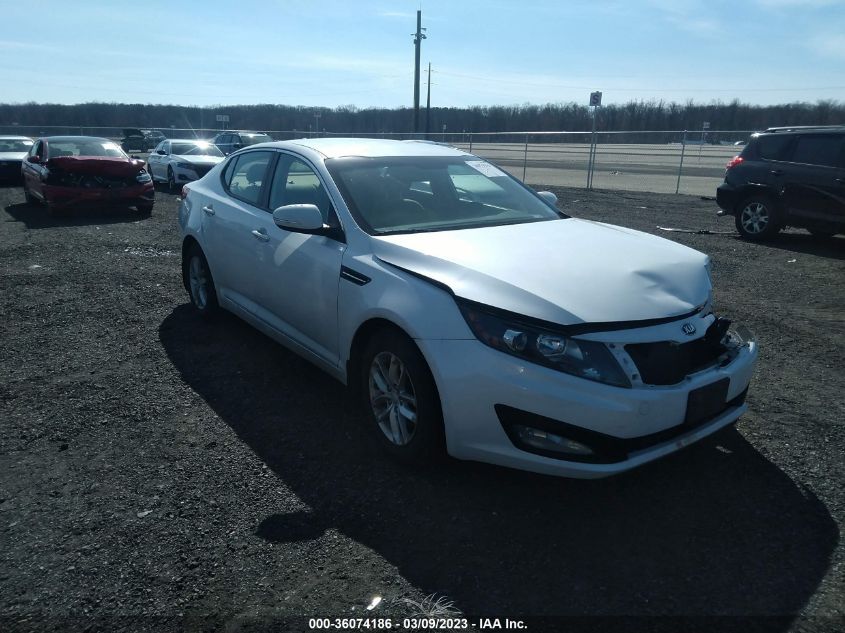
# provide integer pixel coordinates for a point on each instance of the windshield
(252, 139)
(85, 147)
(14, 145)
(195, 149)
(433, 193)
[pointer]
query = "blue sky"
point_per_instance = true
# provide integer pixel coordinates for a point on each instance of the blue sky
(360, 52)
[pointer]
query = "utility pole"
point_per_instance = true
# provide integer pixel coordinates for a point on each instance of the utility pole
(428, 104)
(418, 38)
(317, 116)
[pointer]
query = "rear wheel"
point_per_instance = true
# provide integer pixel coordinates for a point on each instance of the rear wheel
(146, 208)
(199, 282)
(171, 180)
(756, 218)
(400, 398)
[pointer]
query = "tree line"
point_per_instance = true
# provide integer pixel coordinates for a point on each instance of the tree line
(632, 116)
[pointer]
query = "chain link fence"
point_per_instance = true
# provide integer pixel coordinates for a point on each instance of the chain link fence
(661, 161)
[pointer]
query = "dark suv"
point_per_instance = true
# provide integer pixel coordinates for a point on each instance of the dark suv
(228, 142)
(787, 177)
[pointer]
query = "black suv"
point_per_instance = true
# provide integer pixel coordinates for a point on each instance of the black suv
(228, 142)
(787, 176)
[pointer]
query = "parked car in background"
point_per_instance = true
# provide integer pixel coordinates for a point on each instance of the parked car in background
(13, 149)
(135, 140)
(177, 161)
(467, 311)
(232, 141)
(791, 176)
(64, 172)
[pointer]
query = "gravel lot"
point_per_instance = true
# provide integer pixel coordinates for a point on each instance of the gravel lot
(161, 473)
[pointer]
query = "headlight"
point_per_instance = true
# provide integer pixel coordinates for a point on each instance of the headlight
(185, 165)
(142, 177)
(585, 359)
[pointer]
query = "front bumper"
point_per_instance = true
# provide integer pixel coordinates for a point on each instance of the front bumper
(62, 197)
(189, 174)
(649, 421)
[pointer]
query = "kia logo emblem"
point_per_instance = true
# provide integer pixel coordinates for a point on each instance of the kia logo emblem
(688, 329)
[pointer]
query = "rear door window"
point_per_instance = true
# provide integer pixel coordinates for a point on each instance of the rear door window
(774, 147)
(818, 149)
(246, 174)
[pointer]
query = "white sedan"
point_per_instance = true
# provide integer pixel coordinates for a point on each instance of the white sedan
(469, 313)
(178, 161)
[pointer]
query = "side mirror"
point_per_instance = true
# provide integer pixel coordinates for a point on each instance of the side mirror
(299, 218)
(548, 196)
(161, 152)
(35, 160)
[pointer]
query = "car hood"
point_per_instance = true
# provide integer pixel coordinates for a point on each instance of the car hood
(199, 160)
(97, 165)
(566, 271)
(13, 155)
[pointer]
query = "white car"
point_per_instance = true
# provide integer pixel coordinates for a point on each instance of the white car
(468, 311)
(177, 161)
(13, 150)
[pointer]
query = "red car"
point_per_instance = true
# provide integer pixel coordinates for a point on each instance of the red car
(72, 171)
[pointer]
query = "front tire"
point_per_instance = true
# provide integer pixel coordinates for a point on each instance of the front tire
(30, 199)
(171, 180)
(756, 218)
(400, 398)
(199, 282)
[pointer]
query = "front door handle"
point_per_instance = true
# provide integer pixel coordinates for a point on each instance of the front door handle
(840, 180)
(260, 235)
(776, 172)
(208, 210)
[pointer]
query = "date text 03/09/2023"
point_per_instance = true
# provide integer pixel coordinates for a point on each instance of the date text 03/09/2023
(415, 624)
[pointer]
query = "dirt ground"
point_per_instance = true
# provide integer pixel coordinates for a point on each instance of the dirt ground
(162, 473)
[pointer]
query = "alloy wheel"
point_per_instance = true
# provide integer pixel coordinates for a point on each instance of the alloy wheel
(198, 282)
(393, 398)
(754, 218)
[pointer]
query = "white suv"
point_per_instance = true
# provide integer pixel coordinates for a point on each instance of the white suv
(466, 309)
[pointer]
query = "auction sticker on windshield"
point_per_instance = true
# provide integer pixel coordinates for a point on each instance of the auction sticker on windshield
(486, 168)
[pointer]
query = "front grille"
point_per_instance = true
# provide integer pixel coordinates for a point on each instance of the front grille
(202, 170)
(668, 363)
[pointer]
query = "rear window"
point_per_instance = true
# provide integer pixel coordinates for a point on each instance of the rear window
(773, 147)
(818, 149)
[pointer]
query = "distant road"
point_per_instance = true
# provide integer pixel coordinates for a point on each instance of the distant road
(636, 167)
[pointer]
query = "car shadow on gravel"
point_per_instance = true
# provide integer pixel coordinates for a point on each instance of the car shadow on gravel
(830, 247)
(35, 216)
(714, 530)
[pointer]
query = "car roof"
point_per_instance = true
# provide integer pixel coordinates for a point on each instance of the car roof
(805, 129)
(189, 140)
(6, 137)
(51, 139)
(371, 147)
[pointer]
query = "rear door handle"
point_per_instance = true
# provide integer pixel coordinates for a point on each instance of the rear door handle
(208, 210)
(776, 172)
(260, 235)
(840, 180)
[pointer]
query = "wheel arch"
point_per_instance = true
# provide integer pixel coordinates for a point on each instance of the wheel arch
(365, 331)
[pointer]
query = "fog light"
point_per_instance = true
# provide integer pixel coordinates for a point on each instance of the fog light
(537, 438)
